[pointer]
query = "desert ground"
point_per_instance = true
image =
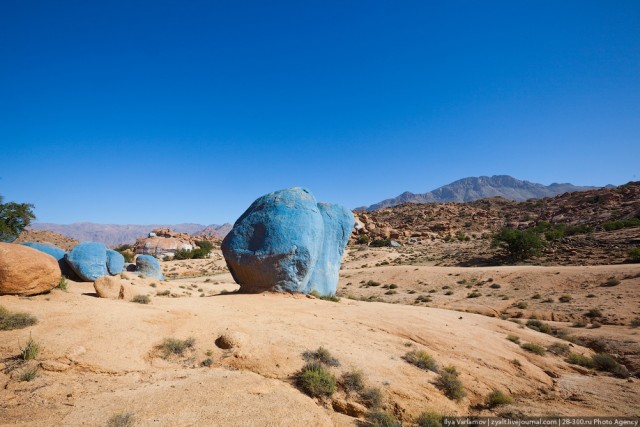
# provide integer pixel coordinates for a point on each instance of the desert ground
(100, 358)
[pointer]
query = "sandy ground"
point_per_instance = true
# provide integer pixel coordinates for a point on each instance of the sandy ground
(100, 358)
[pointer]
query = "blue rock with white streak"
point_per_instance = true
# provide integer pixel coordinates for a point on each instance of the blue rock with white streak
(282, 238)
(148, 266)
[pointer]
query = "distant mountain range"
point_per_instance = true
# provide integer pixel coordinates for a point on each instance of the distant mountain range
(116, 234)
(481, 187)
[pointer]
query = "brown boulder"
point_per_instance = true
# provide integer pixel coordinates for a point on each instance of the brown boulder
(113, 287)
(26, 271)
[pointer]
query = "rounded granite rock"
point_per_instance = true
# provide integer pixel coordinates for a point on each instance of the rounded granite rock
(115, 262)
(287, 242)
(148, 266)
(26, 271)
(88, 260)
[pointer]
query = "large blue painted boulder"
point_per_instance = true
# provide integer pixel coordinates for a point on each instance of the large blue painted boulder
(88, 260)
(115, 262)
(148, 266)
(47, 248)
(338, 223)
(277, 243)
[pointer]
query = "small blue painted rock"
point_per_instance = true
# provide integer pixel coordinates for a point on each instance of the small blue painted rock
(47, 248)
(148, 266)
(88, 260)
(338, 223)
(115, 262)
(276, 244)
(58, 254)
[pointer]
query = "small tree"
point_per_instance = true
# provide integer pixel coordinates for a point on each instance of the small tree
(519, 244)
(14, 217)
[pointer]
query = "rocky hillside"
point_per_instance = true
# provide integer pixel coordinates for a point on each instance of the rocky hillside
(116, 234)
(42, 236)
(475, 188)
(587, 227)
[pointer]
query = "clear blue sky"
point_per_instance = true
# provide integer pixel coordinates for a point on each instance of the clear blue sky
(186, 111)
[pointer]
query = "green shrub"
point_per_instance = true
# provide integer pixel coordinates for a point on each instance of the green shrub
(30, 350)
(605, 362)
(316, 294)
(372, 397)
(429, 419)
(379, 243)
(164, 293)
(363, 240)
(421, 359)
(534, 348)
(611, 281)
(141, 299)
(594, 312)
(10, 321)
(496, 397)
(380, 418)
(353, 381)
(29, 374)
(513, 338)
(565, 298)
(579, 359)
(315, 380)
(321, 355)
(474, 294)
(537, 325)
(450, 384)
(617, 225)
(174, 346)
(121, 420)
(635, 322)
(522, 305)
(559, 349)
(634, 255)
(519, 245)
(63, 284)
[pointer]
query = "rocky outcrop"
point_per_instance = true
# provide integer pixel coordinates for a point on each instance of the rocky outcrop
(26, 271)
(282, 238)
(149, 267)
(162, 242)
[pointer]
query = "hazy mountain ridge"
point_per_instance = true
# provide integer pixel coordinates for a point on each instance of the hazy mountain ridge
(475, 188)
(116, 234)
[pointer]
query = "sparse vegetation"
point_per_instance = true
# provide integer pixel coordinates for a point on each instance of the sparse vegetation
(635, 322)
(474, 294)
(565, 298)
(611, 281)
(579, 359)
(539, 326)
(559, 349)
(450, 384)
(141, 299)
(605, 362)
(634, 255)
(594, 312)
(10, 321)
(353, 381)
(63, 284)
(429, 419)
(421, 359)
(29, 374)
(175, 346)
(522, 305)
(164, 293)
(316, 381)
(121, 420)
(30, 350)
(496, 398)
(372, 397)
(534, 348)
(321, 355)
(513, 338)
(380, 418)
(617, 225)
(316, 294)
